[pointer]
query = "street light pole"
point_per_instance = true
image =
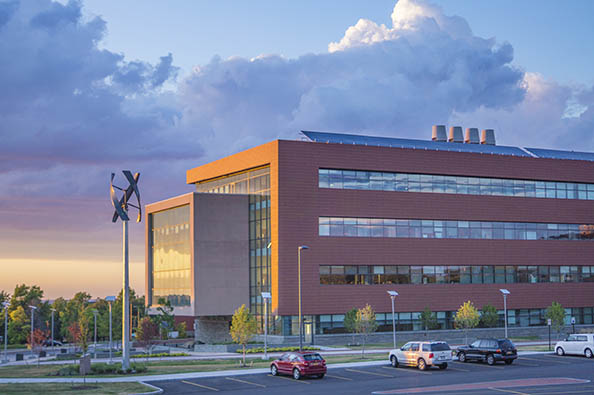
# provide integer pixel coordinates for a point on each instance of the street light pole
(393, 295)
(110, 299)
(299, 280)
(505, 292)
(33, 308)
(266, 296)
(53, 311)
(6, 304)
(95, 336)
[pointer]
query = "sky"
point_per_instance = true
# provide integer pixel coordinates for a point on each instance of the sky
(93, 87)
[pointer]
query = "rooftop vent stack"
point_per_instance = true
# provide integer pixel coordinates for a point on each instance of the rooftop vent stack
(488, 136)
(439, 133)
(456, 134)
(472, 136)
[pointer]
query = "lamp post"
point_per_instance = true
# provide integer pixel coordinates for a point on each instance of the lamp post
(110, 299)
(6, 304)
(33, 308)
(266, 296)
(505, 292)
(95, 333)
(393, 295)
(53, 311)
(299, 280)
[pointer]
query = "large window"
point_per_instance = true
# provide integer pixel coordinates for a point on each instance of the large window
(404, 274)
(171, 265)
(437, 229)
(407, 182)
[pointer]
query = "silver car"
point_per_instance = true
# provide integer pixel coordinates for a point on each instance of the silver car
(422, 354)
(577, 344)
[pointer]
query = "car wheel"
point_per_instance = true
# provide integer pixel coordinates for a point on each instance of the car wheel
(394, 361)
(509, 361)
(560, 351)
(490, 359)
(443, 366)
(296, 374)
(462, 357)
(273, 370)
(588, 353)
(321, 376)
(421, 364)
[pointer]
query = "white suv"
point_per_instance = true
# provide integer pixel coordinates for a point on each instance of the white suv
(422, 355)
(577, 344)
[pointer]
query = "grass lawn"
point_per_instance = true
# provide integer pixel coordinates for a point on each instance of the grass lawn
(536, 347)
(64, 388)
(170, 367)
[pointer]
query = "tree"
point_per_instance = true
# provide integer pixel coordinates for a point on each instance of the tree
(489, 317)
(165, 318)
(146, 334)
(365, 324)
(182, 329)
(350, 320)
(79, 330)
(243, 327)
(35, 342)
(556, 313)
(428, 319)
(467, 317)
(19, 326)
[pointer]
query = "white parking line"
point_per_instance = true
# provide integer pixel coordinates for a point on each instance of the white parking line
(200, 385)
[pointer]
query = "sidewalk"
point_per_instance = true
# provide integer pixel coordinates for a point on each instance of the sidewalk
(194, 375)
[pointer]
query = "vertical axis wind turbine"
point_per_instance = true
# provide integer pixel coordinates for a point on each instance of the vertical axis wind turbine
(121, 211)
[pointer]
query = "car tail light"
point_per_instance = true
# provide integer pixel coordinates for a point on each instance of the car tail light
(431, 355)
(323, 361)
(498, 351)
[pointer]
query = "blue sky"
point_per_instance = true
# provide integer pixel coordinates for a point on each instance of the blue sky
(550, 37)
(92, 87)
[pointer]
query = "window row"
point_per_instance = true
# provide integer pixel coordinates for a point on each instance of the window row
(401, 274)
(411, 321)
(407, 182)
(429, 229)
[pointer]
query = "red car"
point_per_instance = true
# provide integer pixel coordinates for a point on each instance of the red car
(299, 364)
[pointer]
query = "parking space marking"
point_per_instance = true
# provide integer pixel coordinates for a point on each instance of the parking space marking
(413, 370)
(509, 391)
(557, 359)
(292, 380)
(372, 373)
(481, 365)
(458, 369)
(245, 382)
(565, 392)
(200, 385)
(527, 364)
(339, 377)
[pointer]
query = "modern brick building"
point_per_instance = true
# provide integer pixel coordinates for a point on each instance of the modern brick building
(441, 222)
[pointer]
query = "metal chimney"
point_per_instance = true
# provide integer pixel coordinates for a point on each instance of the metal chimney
(472, 136)
(488, 136)
(439, 133)
(456, 134)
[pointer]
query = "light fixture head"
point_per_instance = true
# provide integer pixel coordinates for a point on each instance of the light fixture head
(266, 295)
(393, 293)
(504, 291)
(303, 247)
(110, 298)
(33, 307)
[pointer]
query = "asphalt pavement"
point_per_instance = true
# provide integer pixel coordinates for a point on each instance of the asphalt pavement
(536, 374)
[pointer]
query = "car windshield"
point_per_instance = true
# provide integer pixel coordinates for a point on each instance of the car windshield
(312, 357)
(506, 344)
(440, 347)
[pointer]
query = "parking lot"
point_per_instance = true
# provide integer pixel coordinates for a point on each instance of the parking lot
(543, 374)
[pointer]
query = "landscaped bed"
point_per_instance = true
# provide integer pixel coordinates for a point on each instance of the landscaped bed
(169, 367)
(76, 388)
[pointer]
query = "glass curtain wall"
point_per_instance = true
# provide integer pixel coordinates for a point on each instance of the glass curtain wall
(256, 184)
(171, 264)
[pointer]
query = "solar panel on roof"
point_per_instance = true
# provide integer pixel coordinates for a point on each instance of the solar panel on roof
(339, 138)
(558, 154)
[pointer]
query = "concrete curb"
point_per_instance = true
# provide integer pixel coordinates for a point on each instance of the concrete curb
(157, 390)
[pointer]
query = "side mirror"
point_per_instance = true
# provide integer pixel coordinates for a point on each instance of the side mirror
(401, 348)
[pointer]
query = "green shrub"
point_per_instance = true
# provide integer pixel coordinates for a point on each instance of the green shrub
(70, 370)
(163, 354)
(276, 349)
